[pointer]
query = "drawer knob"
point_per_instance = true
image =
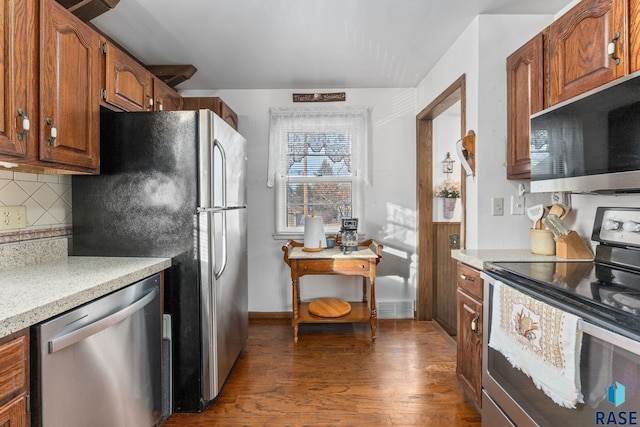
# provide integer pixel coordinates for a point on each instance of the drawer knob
(467, 278)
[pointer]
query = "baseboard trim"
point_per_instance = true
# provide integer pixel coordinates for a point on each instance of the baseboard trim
(258, 315)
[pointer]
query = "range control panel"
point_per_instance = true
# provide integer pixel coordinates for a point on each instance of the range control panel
(617, 226)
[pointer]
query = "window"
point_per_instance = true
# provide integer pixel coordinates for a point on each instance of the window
(317, 161)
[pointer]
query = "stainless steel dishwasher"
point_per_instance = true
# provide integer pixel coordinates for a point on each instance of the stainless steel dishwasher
(100, 364)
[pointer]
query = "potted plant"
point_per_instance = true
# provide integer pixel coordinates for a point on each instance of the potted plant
(449, 191)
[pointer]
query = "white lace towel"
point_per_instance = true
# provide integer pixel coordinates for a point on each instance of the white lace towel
(540, 340)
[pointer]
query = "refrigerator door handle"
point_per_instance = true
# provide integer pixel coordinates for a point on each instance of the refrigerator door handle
(223, 263)
(223, 173)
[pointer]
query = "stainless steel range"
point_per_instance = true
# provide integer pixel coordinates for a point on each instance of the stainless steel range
(604, 295)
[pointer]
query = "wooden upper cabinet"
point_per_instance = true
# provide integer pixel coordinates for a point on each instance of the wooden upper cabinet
(127, 85)
(165, 97)
(525, 96)
(215, 104)
(69, 87)
(17, 65)
(634, 36)
(578, 48)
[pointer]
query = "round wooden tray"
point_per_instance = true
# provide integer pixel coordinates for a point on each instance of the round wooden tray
(329, 307)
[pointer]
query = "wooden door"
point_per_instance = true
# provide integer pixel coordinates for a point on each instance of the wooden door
(444, 269)
(17, 68)
(525, 96)
(127, 84)
(578, 44)
(69, 101)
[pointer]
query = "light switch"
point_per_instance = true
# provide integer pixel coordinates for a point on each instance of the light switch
(517, 205)
(497, 206)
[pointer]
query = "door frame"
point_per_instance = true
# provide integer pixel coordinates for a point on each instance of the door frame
(424, 157)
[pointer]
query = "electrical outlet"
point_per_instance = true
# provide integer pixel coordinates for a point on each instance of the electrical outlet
(517, 205)
(13, 217)
(497, 206)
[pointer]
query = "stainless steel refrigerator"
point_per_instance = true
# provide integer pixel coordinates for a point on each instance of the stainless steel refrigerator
(172, 184)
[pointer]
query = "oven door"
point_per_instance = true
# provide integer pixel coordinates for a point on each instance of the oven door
(609, 376)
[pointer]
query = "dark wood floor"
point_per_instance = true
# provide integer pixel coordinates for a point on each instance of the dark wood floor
(335, 376)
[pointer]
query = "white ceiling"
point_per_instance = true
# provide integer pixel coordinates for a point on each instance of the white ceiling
(301, 44)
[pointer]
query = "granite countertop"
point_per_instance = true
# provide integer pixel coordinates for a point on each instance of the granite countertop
(33, 293)
(477, 258)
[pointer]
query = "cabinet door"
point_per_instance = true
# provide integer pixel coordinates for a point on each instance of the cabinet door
(634, 36)
(69, 101)
(578, 46)
(215, 104)
(128, 85)
(469, 357)
(166, 99)
(17, 62)
(14, 413)
(14, 379)
(227, 114)
(525, 96)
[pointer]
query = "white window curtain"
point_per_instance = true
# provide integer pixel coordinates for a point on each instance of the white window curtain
(337, 135)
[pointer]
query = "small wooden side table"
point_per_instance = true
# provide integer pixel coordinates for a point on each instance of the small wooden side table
(361, 262)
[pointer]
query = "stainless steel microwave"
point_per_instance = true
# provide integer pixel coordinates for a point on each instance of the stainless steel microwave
(590, 143)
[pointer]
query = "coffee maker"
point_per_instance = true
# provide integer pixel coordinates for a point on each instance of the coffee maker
(349, 235)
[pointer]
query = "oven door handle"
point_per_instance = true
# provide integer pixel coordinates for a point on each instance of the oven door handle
(610, 337)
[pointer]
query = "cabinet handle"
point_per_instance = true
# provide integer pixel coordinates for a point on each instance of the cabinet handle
(474, 324)
(611, 48)
(467, 278)
(26, 125)
(53, 133)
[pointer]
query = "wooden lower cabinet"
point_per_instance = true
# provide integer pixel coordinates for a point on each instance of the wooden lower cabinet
(14, 380)
(469, 339)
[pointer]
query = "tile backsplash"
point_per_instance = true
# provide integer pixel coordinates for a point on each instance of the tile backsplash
(48, 202)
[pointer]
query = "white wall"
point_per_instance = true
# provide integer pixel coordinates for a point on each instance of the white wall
(390, 196)
(480, 53)
(446, 131)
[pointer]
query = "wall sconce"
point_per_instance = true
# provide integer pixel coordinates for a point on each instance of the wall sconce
(447, 164)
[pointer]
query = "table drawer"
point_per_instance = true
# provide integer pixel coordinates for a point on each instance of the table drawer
(329, 266)
(469, 280)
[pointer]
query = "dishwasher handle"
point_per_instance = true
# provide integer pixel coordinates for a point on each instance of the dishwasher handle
(66, 340)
